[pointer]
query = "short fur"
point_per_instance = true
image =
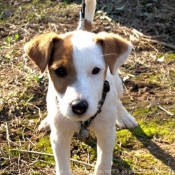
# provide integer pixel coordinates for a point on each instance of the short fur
(79, 52)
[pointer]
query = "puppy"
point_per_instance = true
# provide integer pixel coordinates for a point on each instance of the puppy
(78, 63)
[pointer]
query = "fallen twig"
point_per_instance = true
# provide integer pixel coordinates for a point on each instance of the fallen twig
(141, 36)
(170, 45)
(7, 134)
(39, 111)
(163, 109)
(47, 154)
(128, 92)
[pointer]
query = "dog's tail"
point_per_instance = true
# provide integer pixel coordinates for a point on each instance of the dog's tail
(90, 6)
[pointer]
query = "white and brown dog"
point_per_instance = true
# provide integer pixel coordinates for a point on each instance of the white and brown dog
(78, 63)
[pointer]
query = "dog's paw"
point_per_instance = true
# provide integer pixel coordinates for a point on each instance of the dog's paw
(125, 120)
(44, 125)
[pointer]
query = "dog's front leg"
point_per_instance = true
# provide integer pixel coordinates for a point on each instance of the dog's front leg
(105, 145)
(62, 131)
(61, 148)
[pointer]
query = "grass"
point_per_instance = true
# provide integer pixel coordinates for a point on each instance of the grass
(149, 85)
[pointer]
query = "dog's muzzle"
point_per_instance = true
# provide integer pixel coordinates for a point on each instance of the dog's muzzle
(84, 131)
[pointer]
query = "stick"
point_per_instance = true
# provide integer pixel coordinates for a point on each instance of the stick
(7, 134)
(47, 154)
(163, 109)
(127, 92)
(170, 45)
(39, 111)
(150, 39)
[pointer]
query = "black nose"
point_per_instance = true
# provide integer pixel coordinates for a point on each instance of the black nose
(79, 107)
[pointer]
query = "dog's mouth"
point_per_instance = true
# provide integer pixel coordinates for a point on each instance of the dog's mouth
(78, 118)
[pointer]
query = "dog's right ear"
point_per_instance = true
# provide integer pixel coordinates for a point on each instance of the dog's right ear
(39, 49)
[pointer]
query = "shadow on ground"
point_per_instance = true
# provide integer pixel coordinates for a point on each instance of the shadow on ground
(154, 149)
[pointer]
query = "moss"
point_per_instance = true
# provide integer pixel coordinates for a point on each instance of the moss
(141, 111)
(43, 145)
(154, 79)
(170, 57)
(167, 57)
(147, 130)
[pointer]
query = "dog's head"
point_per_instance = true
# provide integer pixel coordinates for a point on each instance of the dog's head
(77, 64)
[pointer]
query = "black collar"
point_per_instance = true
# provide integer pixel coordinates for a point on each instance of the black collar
(84, 132)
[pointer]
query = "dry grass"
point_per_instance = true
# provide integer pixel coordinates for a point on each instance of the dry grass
(149, 82)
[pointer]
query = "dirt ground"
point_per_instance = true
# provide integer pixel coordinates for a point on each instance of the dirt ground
(148, 78)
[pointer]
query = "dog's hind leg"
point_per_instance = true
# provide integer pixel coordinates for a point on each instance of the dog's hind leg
(124, 119)
(44, 125)
(52, 109)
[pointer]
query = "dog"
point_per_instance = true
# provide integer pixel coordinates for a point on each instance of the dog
(78, 63)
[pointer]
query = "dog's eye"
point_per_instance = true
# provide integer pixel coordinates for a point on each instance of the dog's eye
(61, 72)
(96, 70)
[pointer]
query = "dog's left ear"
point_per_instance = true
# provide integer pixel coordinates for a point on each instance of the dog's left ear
(115, 49)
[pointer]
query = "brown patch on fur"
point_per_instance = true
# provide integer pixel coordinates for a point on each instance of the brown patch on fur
(87, 25)
(113, 47)
(39, 49)
(55, 51)
(62, 57)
